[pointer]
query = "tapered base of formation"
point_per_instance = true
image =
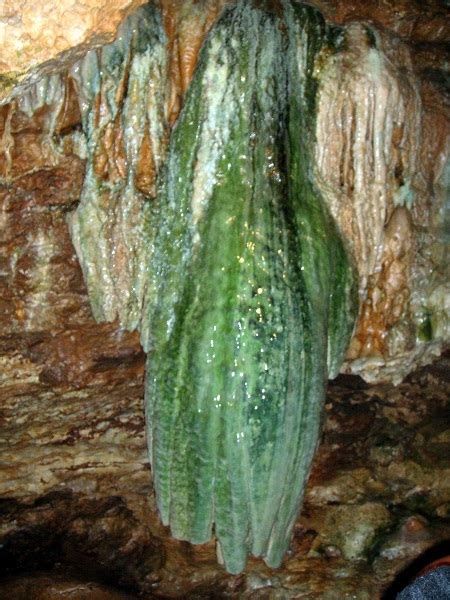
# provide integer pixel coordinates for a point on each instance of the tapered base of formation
(232, 215)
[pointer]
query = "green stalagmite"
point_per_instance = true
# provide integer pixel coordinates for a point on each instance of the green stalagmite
(250, 297)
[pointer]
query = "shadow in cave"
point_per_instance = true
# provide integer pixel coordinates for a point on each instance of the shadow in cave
(48, 558)
(58, 585)
(414, 569)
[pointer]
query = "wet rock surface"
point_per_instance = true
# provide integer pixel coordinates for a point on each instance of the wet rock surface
(381, 163)
(75, 485)
(77, 513)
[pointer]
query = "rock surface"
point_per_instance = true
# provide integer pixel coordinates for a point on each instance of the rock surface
(77, 503)
(34, 32)
(75, 486)
(382, 165)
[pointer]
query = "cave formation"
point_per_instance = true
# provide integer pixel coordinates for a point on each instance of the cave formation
(86, 137)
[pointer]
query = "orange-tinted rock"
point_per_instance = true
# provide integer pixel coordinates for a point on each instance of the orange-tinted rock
(388, 294)
(187, 24)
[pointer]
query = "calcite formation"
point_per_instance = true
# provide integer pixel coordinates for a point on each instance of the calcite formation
(128, 248)
(375, 152)
(369, 135)
(121, 90)
(248, 279)
(104, 116)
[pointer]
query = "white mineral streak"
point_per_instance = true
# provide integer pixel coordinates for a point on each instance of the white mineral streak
(121, 93)
(368, 134)
(215, 133)
(37, 306)
(368, 166)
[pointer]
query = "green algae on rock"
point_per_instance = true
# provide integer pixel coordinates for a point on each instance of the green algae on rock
(250, 291)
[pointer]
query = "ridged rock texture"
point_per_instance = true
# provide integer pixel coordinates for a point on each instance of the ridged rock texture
(282, 282)
(248, 280)
(380, 163)
(121, 89)
(369, 171)
(342, 144)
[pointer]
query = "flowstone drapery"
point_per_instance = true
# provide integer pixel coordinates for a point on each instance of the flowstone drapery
(249, 290)
(249, 294)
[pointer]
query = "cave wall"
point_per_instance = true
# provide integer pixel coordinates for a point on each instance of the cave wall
(72, 388)
(381, 165)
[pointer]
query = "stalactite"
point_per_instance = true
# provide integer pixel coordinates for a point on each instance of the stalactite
(186, 23)
(248, 281)
(122, 91)
(368, 134)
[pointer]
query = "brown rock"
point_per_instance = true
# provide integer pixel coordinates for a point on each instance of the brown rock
(44, 587)
(34, 32)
